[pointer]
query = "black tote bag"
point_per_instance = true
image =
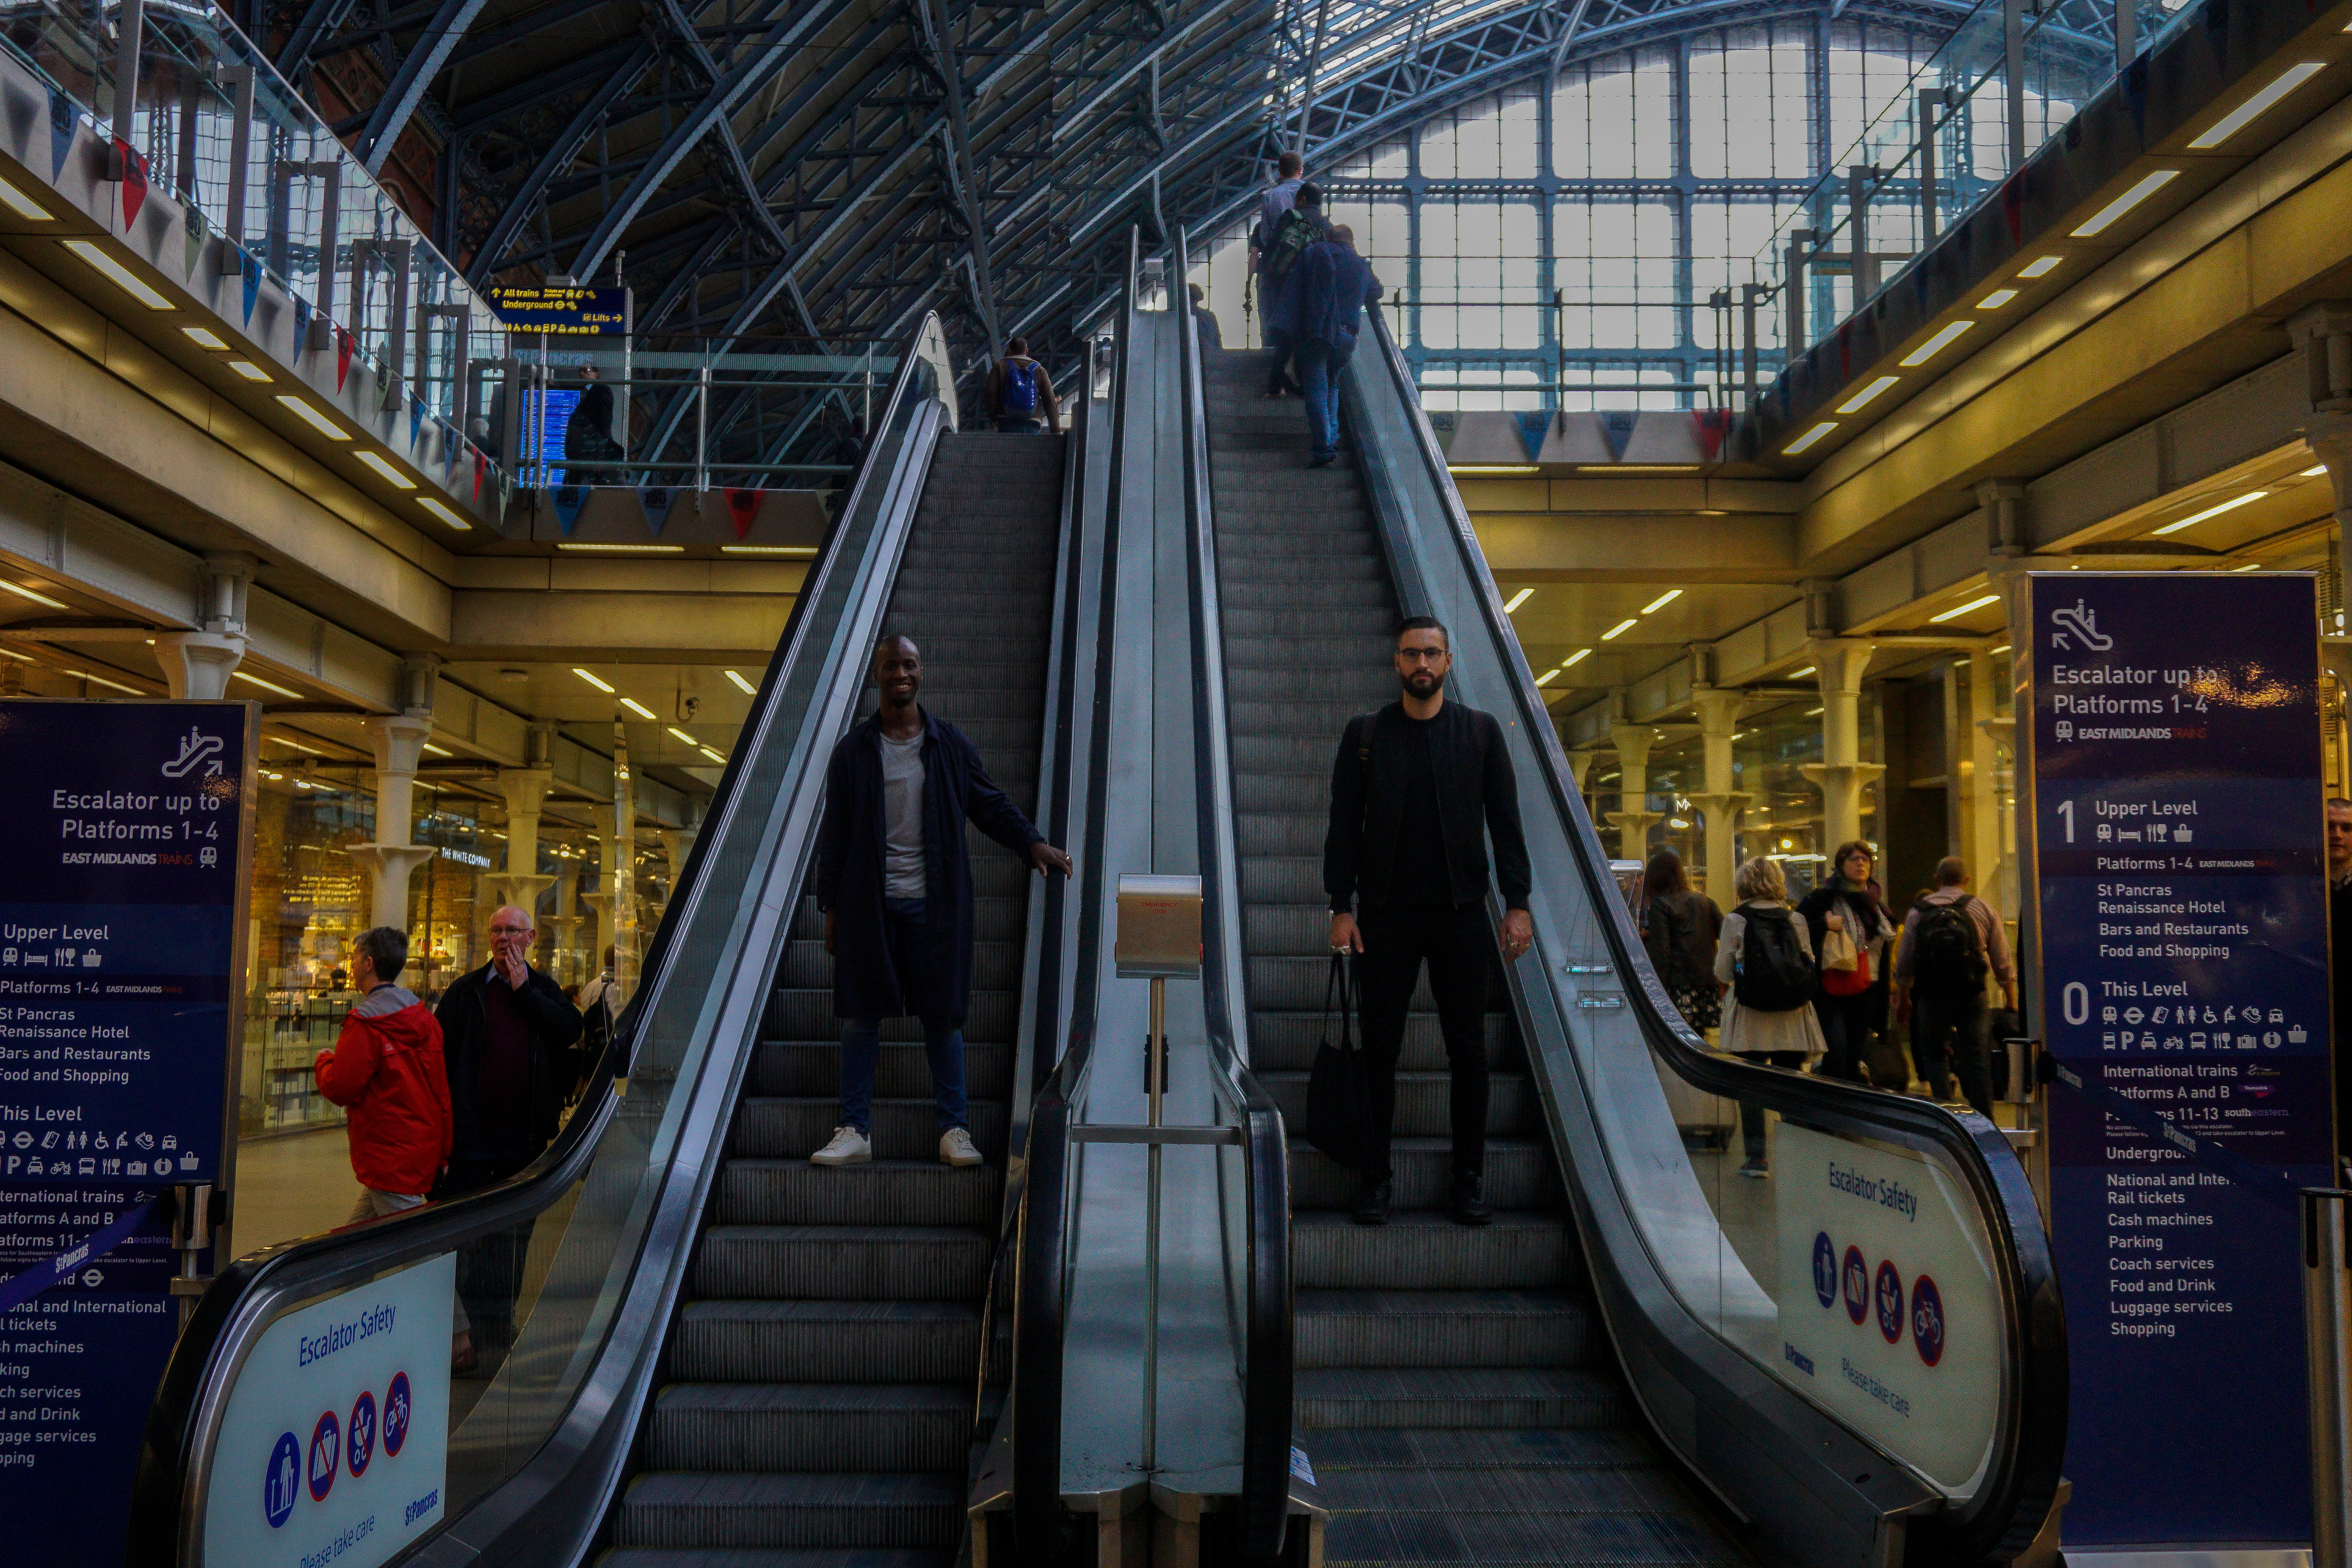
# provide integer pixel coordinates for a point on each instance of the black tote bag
(1338, 1107)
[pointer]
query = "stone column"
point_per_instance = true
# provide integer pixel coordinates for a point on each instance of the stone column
(393, 856)
(196, 665)
(600, 901)
(623, 888)
(1632, 818)
(1977, 774)
(2324, 334)
(525, 789)
(1718, 717)
(1841, 774)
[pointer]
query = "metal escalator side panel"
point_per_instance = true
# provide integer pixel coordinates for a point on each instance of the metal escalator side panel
(1819, 1489)
(639, 1168)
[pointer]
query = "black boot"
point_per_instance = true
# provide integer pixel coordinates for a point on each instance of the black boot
(1470, 1206)
(1373, 1202)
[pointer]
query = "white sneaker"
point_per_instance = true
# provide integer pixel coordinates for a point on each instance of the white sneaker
(849, 1147)
(956, 1148)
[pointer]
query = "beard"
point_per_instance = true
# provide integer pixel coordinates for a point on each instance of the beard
(1423, 683)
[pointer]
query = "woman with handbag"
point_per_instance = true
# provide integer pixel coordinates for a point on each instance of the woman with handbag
(1679, 928)
(1767, 959)
(1849, 931)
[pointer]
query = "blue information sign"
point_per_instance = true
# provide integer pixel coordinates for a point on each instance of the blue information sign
(2177, 822)
(120, 911)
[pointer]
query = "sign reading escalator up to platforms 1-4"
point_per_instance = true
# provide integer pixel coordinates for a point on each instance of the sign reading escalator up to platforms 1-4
(121, 906)
(2178, 852)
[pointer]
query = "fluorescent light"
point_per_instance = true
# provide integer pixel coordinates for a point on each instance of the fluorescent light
(637, 707)
(741, 685)
(1493, 468)
(592, 681)
(204, 337)
(684, 736)
(391, 475)
(249, 371)
(1549, 676)
(318, 421)
(1522, 598)
(1637, 468)
(298, 745)
(439, 751)
(767, 550)
(101, 680)
(23, 206)
(266, 685)
(2042, 267)
(1800, 674)
(2233, 505)
(24, 593)
(1620, 630)
(1958, 610)
(2106, 217)
(446, 512)
(2249, 567)
(1996, 299)
(1935, 344)
(1807, 440)
(629, 549)
(1812, 712)
(2238, 119)
(117, 274)
(1578, 656)
(2313, 473)
(1662, 601)
(1854, 404)
(714, 756)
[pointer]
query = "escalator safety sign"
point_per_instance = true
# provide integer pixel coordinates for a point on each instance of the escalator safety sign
(1870, 1242)
(365, 1373)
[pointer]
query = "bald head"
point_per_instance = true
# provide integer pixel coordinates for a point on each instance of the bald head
(897, 672)
(510, 940)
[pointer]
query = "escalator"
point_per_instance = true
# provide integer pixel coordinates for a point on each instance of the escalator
(1458, 1403)
(1638, 1361)
(822, 1365)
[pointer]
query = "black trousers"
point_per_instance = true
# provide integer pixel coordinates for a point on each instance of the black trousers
(1846, 1027)
(490, 1267)
(1950, 1040)
(1458, 946)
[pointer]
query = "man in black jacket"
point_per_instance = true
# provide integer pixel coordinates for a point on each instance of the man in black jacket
(1418, 788)
(506, 1037)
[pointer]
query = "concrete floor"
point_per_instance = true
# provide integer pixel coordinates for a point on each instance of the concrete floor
(291, 1187)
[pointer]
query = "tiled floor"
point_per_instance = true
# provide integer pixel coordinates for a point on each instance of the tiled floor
(294, 1185)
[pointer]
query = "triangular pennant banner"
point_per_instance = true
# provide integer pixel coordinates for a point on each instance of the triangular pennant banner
(252, 270)
(449, 449)
(415, 421)
(655, 501)
(2012, 208)
(743, 506)
(301, 325)
(61, 131)
(192, 231)
(1617, 427)
(342, 357)
(1714, 425)
(134, 180)
(569, 500)
(506, 491)
(1533, 427)
(481, 465)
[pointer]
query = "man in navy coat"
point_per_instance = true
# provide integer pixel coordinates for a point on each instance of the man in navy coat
(1322, 308)
(894, 879)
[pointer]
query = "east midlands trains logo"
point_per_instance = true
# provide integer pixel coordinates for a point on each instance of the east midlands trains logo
(2078, 627)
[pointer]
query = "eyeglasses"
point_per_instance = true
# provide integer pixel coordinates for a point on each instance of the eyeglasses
(1423, 654)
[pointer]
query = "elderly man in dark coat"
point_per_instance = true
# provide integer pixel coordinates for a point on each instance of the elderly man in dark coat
(894, 879)
(1321, 307)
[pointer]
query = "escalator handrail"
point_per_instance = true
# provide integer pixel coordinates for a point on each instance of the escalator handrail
(1040, 1313)
(1266, 1377)
(2021, 1481)
(246, 1296)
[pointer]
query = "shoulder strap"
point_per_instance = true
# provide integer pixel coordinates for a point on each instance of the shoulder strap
(1367, 730)
(1338, 983)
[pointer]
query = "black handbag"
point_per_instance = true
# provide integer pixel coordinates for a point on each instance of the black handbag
(1338, 1105)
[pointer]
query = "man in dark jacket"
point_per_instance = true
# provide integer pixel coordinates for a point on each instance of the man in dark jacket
(894, 879)
(1418, 788)
(2339, 957)
(1322, 309)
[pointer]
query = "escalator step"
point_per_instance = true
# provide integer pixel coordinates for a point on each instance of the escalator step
(806, 1013)
(1420, 1251)
(1378, 1448)
(779, 1126)
(1297, 984)
(1459, 1396)
(994, 917)
(1420, 1101)
(839, 1262)
(1445, 1328)
(1519, 1174)
(1285, 1042)
(884, 1191)
(810, 1425)
(663, 1508)
(813, 1067)
(767, 1557)
(836, 1341)
(1490, 1520)
(995, 965)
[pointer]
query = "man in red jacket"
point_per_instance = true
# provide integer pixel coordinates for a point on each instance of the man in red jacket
(386, 1068)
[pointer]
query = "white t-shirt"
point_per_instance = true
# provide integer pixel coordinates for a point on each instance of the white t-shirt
(902, 818)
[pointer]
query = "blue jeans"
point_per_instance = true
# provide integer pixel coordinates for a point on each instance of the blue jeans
(1020, 425)
(861, 1038)
(1319, 370)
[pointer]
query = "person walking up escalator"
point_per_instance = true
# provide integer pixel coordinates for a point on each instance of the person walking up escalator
(1322, 310)
(1417, 790)
(1845, 919)
(1767, 958)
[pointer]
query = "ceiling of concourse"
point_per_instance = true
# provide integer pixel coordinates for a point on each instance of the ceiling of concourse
(827, 171)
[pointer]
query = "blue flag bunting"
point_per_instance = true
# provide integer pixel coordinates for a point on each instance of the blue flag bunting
(655, 501)
(302, 329)
(416, 423)
(569, 500)
(61, 131)
(251, 267)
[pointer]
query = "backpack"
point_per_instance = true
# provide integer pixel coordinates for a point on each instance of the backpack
(1298, 231)
(1020, 390)
(1947, 955)
(1773, 975)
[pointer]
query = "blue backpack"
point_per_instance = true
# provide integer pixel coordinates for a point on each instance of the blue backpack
(1020, 386)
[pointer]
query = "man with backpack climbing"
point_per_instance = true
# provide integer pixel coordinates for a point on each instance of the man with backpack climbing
(1417, 790)
(1766, 956)
(1951, 940)
(1301, 229)
(1020, 393)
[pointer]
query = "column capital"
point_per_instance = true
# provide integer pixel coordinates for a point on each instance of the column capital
(1839, 662)
(1820, 606)
(2324, 334)
(1718, 708)
(1632, 741)
(525, 790)
(2003, 502)
(399, 740)
(197, 665)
